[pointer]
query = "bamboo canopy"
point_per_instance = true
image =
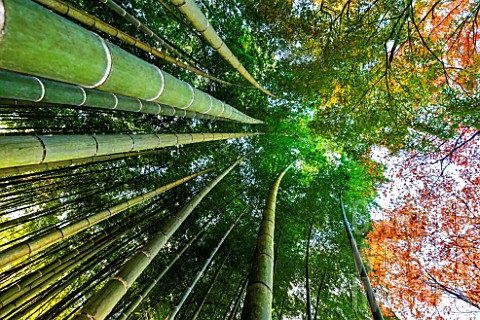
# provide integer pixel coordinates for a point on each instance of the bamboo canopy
(196, 17)
(29, 247)
(29, 150)
(258, 301)
(60, 50)
(104, 300)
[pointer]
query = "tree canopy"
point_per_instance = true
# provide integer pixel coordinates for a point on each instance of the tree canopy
(371, 102)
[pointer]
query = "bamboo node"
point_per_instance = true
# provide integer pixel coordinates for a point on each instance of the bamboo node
(193, 97)
(162, 87)
(223, 108)
(96, 145)
(141, 105)
(206, 28)
(42, 95)
(89, 316)
(211, 104)
(84, 97)
(123, 282)
(116, 101)
(2, 19)
(109, 63)
(146, 254)
(181, 4)
(44, 155)
(133, 140)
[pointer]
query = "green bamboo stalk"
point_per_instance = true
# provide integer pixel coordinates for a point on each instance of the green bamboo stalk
(14, 86)
(205, 266)
(30, 309)
(16, 300)
(258, 301)
(56, 164)
(362, 272)
(209, 290)
(28, 247)
(242, 288)
(102, 302)
(26, 280)
(50, 211)
(196, 17)
(27, 150)
(130, 18)
(135, 303)
(86, 19)
(60, 50)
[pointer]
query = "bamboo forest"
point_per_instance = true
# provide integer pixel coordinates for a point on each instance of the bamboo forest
(239, 159)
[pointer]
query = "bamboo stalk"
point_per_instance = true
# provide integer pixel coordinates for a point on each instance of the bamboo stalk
(28, 247)
(14, 86)
(16, 300)
(202, 270)
(362, 272)
(103, 301)
(135, 303)
(72, 255)
(60, 50)
(258, 302)
(209, 290)
(86, 19)
(29, 150)
(130, 18)
(56, 164)
(196, 17)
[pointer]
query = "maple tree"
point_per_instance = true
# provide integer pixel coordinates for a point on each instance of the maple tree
(427, 246)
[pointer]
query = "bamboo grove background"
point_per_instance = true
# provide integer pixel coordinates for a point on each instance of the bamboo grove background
(40, 199)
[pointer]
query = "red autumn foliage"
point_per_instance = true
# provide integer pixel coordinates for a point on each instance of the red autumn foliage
(427, 247)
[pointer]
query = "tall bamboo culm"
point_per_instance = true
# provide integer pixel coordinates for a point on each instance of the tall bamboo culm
(258, 301)
(60, 50)
(196, 17)
(103, 301)
(136, 302)
(86, 19)
(372, 301)
(205, 266)
(29, 247)
(14, 86)
(130, 18)
(31, 150)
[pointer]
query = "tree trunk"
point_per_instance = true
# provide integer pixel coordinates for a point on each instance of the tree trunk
(307, 273)
(103, 301)
(258, 302)
(317, 301)
(376, 312)
(28, 150)
(29, 247)
(66, 52)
